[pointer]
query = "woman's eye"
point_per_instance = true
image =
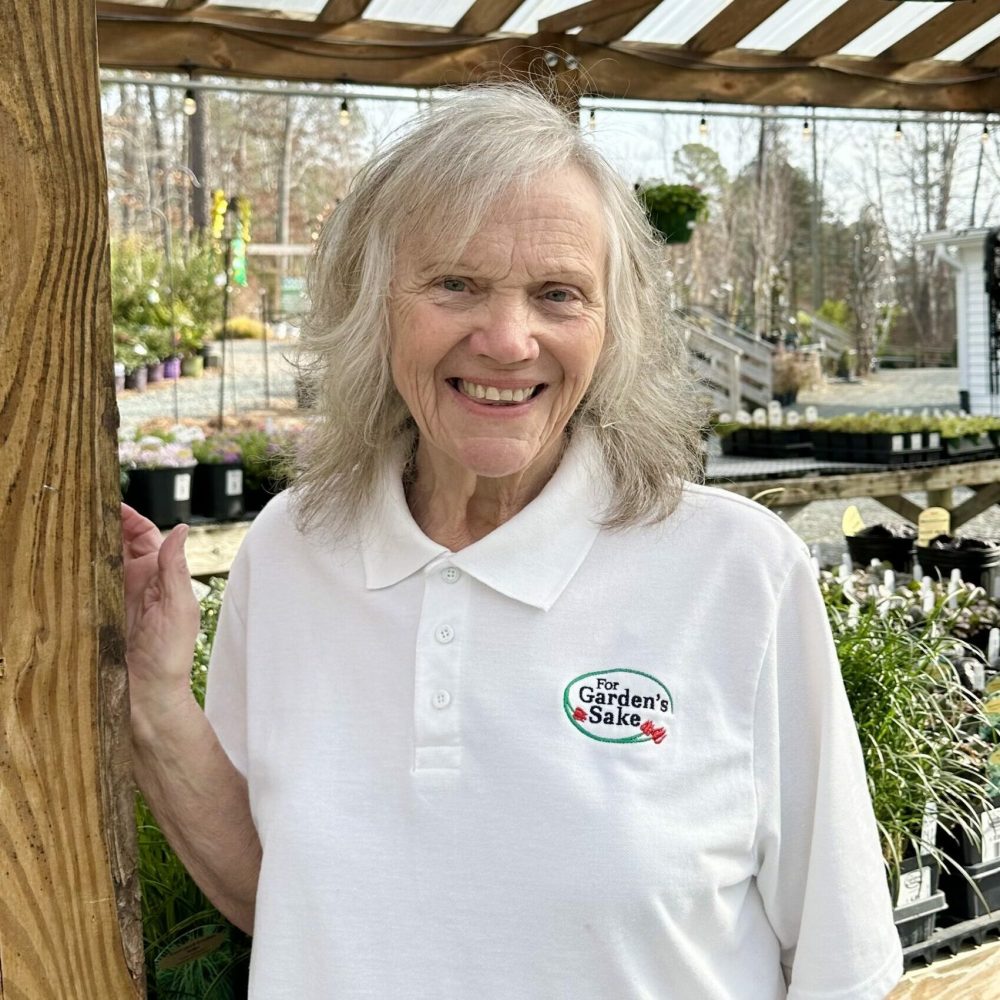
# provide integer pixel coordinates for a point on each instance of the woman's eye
(453, 285)
(559, 295)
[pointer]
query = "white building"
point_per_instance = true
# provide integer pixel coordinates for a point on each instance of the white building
(964, 252)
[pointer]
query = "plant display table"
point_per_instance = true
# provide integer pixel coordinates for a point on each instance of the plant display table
(970, 974)
(211, 547)
(792, 484)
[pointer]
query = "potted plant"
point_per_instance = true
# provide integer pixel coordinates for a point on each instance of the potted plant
(267, 462)
(673, 209)
(135, 358)
(792, 371)
(217, 490)
(913, 717)
(190, 340)
(894, 544)
(156, 340)
(976, 559)
(159, 478)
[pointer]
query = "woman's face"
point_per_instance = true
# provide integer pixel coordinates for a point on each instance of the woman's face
(493, 346)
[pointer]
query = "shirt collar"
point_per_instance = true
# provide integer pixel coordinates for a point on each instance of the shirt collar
(530, 558)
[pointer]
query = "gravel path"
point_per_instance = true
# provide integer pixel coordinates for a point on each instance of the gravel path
(818, 523)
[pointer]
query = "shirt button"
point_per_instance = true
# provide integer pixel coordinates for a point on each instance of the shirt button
(441, 699)
(450, 574)
(444, 634)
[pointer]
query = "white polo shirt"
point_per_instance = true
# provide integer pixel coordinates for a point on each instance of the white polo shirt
(562, 762)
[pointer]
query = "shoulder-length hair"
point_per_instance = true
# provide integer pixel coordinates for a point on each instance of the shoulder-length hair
(439, 180)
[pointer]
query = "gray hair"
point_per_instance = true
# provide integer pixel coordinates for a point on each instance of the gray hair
(440, 179)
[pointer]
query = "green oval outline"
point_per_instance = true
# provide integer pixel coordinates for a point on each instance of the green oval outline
(640, 738)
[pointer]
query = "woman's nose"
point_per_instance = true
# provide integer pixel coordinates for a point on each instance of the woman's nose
(506, 333)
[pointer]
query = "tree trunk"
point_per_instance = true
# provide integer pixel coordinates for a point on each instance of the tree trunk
(196, 164)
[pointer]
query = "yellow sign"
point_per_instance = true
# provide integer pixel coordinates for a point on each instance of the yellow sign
(851, 522)
(933, 522)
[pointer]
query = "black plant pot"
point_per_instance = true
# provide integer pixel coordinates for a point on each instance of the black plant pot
(885, 548)
(217, 491)
(255, 497)
(975, 565)
(162, 495)
(917, 900)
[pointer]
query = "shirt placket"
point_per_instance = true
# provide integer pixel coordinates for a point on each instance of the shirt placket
(442, 637)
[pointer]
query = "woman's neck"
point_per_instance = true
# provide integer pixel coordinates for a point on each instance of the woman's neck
(455, 507)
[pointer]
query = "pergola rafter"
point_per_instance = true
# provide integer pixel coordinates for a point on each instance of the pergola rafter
(340, 44)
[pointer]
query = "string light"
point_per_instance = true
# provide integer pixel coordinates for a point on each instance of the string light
(898, 134)
(190, 104)
(806, 130)
(703, 126)
(592, 121)
(984, 136)
(345, 112)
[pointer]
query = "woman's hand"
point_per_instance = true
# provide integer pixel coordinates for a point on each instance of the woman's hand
(161, 614)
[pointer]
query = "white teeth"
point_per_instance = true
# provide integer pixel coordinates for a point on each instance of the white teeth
(475, 390)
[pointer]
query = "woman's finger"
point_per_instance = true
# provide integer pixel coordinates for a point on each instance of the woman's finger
(139, 535)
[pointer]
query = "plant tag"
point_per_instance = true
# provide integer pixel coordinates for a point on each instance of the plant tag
(914, 887)
(916, 441)
(897, 442)
(725, 418)
(182, 487)
(934, 440)
(993, 646)
(743, 417)
(851, 523)
(234, 482)
(760, 417)
(928, 830)
(812, 414)
(990, 826)
(792, 418)
(774, 412)
(190, 951)
(932, 522)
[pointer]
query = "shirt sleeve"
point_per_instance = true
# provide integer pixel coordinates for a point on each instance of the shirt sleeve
(820, 870)
(226, 684)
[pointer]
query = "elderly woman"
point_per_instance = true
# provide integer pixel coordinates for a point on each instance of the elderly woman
(501, 705)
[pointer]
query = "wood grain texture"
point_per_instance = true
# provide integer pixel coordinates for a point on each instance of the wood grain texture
(972, 975)
(69, 919)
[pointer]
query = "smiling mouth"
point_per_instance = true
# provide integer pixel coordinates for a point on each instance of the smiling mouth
(491, 395)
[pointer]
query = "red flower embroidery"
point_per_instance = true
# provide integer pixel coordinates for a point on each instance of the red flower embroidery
(579, 714)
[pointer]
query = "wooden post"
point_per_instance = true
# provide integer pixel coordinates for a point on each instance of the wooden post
(69, 916)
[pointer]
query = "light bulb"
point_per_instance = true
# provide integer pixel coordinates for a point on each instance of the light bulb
(345, 112)
(703, 126)
(592, 121)
(572, 63)
(984, 136)
(190, 104)
(551, 60)
(806, 130)
(898, 134)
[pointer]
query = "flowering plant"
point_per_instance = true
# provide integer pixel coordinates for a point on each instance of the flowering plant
(217, 449)
(154, 453)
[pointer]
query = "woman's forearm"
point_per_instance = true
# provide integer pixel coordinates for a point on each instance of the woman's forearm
(201, 803)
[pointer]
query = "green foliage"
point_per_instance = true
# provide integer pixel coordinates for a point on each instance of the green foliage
(920, 730)
(244, 328)
(836, 311)
(175, 913)
(701, 167)
(674, 199)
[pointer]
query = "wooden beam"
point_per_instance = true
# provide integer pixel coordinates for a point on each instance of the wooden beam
(184, 4)
(486, 16)
(984, 498)
(901, 506)
(69, 907)
(732, 24)
(942, 30)
(588, 13)
(835, 31)
(341, 11)
(611, 29)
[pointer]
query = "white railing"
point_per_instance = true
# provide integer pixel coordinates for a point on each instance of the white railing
(732, 364)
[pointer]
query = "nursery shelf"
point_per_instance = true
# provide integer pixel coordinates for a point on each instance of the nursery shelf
(792, 488)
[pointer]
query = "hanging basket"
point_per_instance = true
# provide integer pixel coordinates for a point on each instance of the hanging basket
(674, 227)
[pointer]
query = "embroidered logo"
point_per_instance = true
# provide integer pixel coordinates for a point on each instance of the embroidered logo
(619, 706)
